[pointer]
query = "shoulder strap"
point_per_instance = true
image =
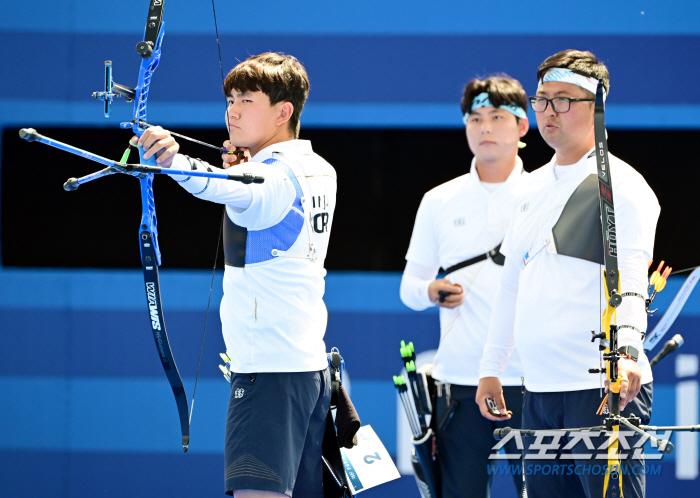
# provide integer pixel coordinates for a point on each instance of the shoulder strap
(494, 254)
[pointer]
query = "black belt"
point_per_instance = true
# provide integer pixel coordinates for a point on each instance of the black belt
(494, 254)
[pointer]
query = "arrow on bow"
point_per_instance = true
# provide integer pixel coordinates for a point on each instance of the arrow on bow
(150, 51)
(673, 310)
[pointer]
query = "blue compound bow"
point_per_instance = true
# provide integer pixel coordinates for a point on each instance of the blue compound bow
(150, 51)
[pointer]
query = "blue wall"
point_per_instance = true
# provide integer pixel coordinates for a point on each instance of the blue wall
(88, 412)
(372, 64)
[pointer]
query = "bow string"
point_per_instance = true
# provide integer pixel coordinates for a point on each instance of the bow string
(150, 51)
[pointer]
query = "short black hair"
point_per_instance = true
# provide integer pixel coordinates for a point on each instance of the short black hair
(578, 61)
(281, 77)
(501, 88)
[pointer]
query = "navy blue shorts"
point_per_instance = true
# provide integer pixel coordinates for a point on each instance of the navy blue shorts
(274, 431)
(578, 472)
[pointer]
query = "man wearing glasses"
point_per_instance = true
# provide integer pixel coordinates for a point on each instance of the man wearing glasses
(550, 296)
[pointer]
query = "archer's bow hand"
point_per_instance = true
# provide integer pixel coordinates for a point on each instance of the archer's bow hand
(235, 155)
(156, 140)
(630, 381)
(490, 387)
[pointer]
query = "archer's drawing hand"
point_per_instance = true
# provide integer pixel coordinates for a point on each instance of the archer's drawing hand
(156, 140)
(630, 381)
(452, 300)
(233, 159)
(490, 387)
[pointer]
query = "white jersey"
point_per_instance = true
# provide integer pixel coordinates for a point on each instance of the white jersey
(457, 221)
(549, 303)
(273, 315)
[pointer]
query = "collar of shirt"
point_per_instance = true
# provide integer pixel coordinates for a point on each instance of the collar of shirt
(581, 165)
(514, 175)
(297, 146)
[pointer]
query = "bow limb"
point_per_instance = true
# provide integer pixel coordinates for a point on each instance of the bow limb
(150, 50)
(612, 486)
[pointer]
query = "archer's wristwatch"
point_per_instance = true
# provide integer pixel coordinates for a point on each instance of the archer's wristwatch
(629, 352)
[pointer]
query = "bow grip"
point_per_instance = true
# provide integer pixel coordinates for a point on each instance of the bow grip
(149, 222)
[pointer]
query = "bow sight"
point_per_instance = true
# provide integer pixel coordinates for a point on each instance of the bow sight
(608, 336)
(152, 39)
(150, 51)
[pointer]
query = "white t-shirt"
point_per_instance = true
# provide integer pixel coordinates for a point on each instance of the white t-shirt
(549, 303)
(272, 313)
(456, 221)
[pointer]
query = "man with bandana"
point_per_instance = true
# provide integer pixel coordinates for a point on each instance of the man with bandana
(460, 226)
(551, 290)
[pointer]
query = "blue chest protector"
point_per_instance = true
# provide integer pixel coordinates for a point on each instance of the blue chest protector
(243, 247)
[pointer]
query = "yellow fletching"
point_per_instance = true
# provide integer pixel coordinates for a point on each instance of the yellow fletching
(661, 281)
(657, 285)
(653, 278)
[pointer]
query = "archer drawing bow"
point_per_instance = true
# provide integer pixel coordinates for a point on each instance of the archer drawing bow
(149, 50)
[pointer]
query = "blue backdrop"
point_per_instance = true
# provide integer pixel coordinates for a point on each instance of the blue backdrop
(372, 64)
(87, 410)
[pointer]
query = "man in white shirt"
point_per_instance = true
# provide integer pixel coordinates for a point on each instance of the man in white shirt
(273, 315)
(552, 295)
(459, 227)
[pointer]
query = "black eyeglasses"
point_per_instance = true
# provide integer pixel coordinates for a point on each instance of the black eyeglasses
(559, 104)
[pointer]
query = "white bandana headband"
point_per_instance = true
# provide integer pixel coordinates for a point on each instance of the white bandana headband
(568, 76)
(482, 100)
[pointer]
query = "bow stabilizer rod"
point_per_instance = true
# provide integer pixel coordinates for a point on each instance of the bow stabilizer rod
(31, 135)
(150, 51)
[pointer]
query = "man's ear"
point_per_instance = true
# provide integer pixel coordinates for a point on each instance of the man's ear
(523, 126)
(286, 111)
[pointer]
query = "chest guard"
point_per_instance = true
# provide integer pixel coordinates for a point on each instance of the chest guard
(577, 233)
(245, 247)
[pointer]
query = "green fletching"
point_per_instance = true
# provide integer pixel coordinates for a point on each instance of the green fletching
(125, 156)
(407, 350)
(411, 366)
